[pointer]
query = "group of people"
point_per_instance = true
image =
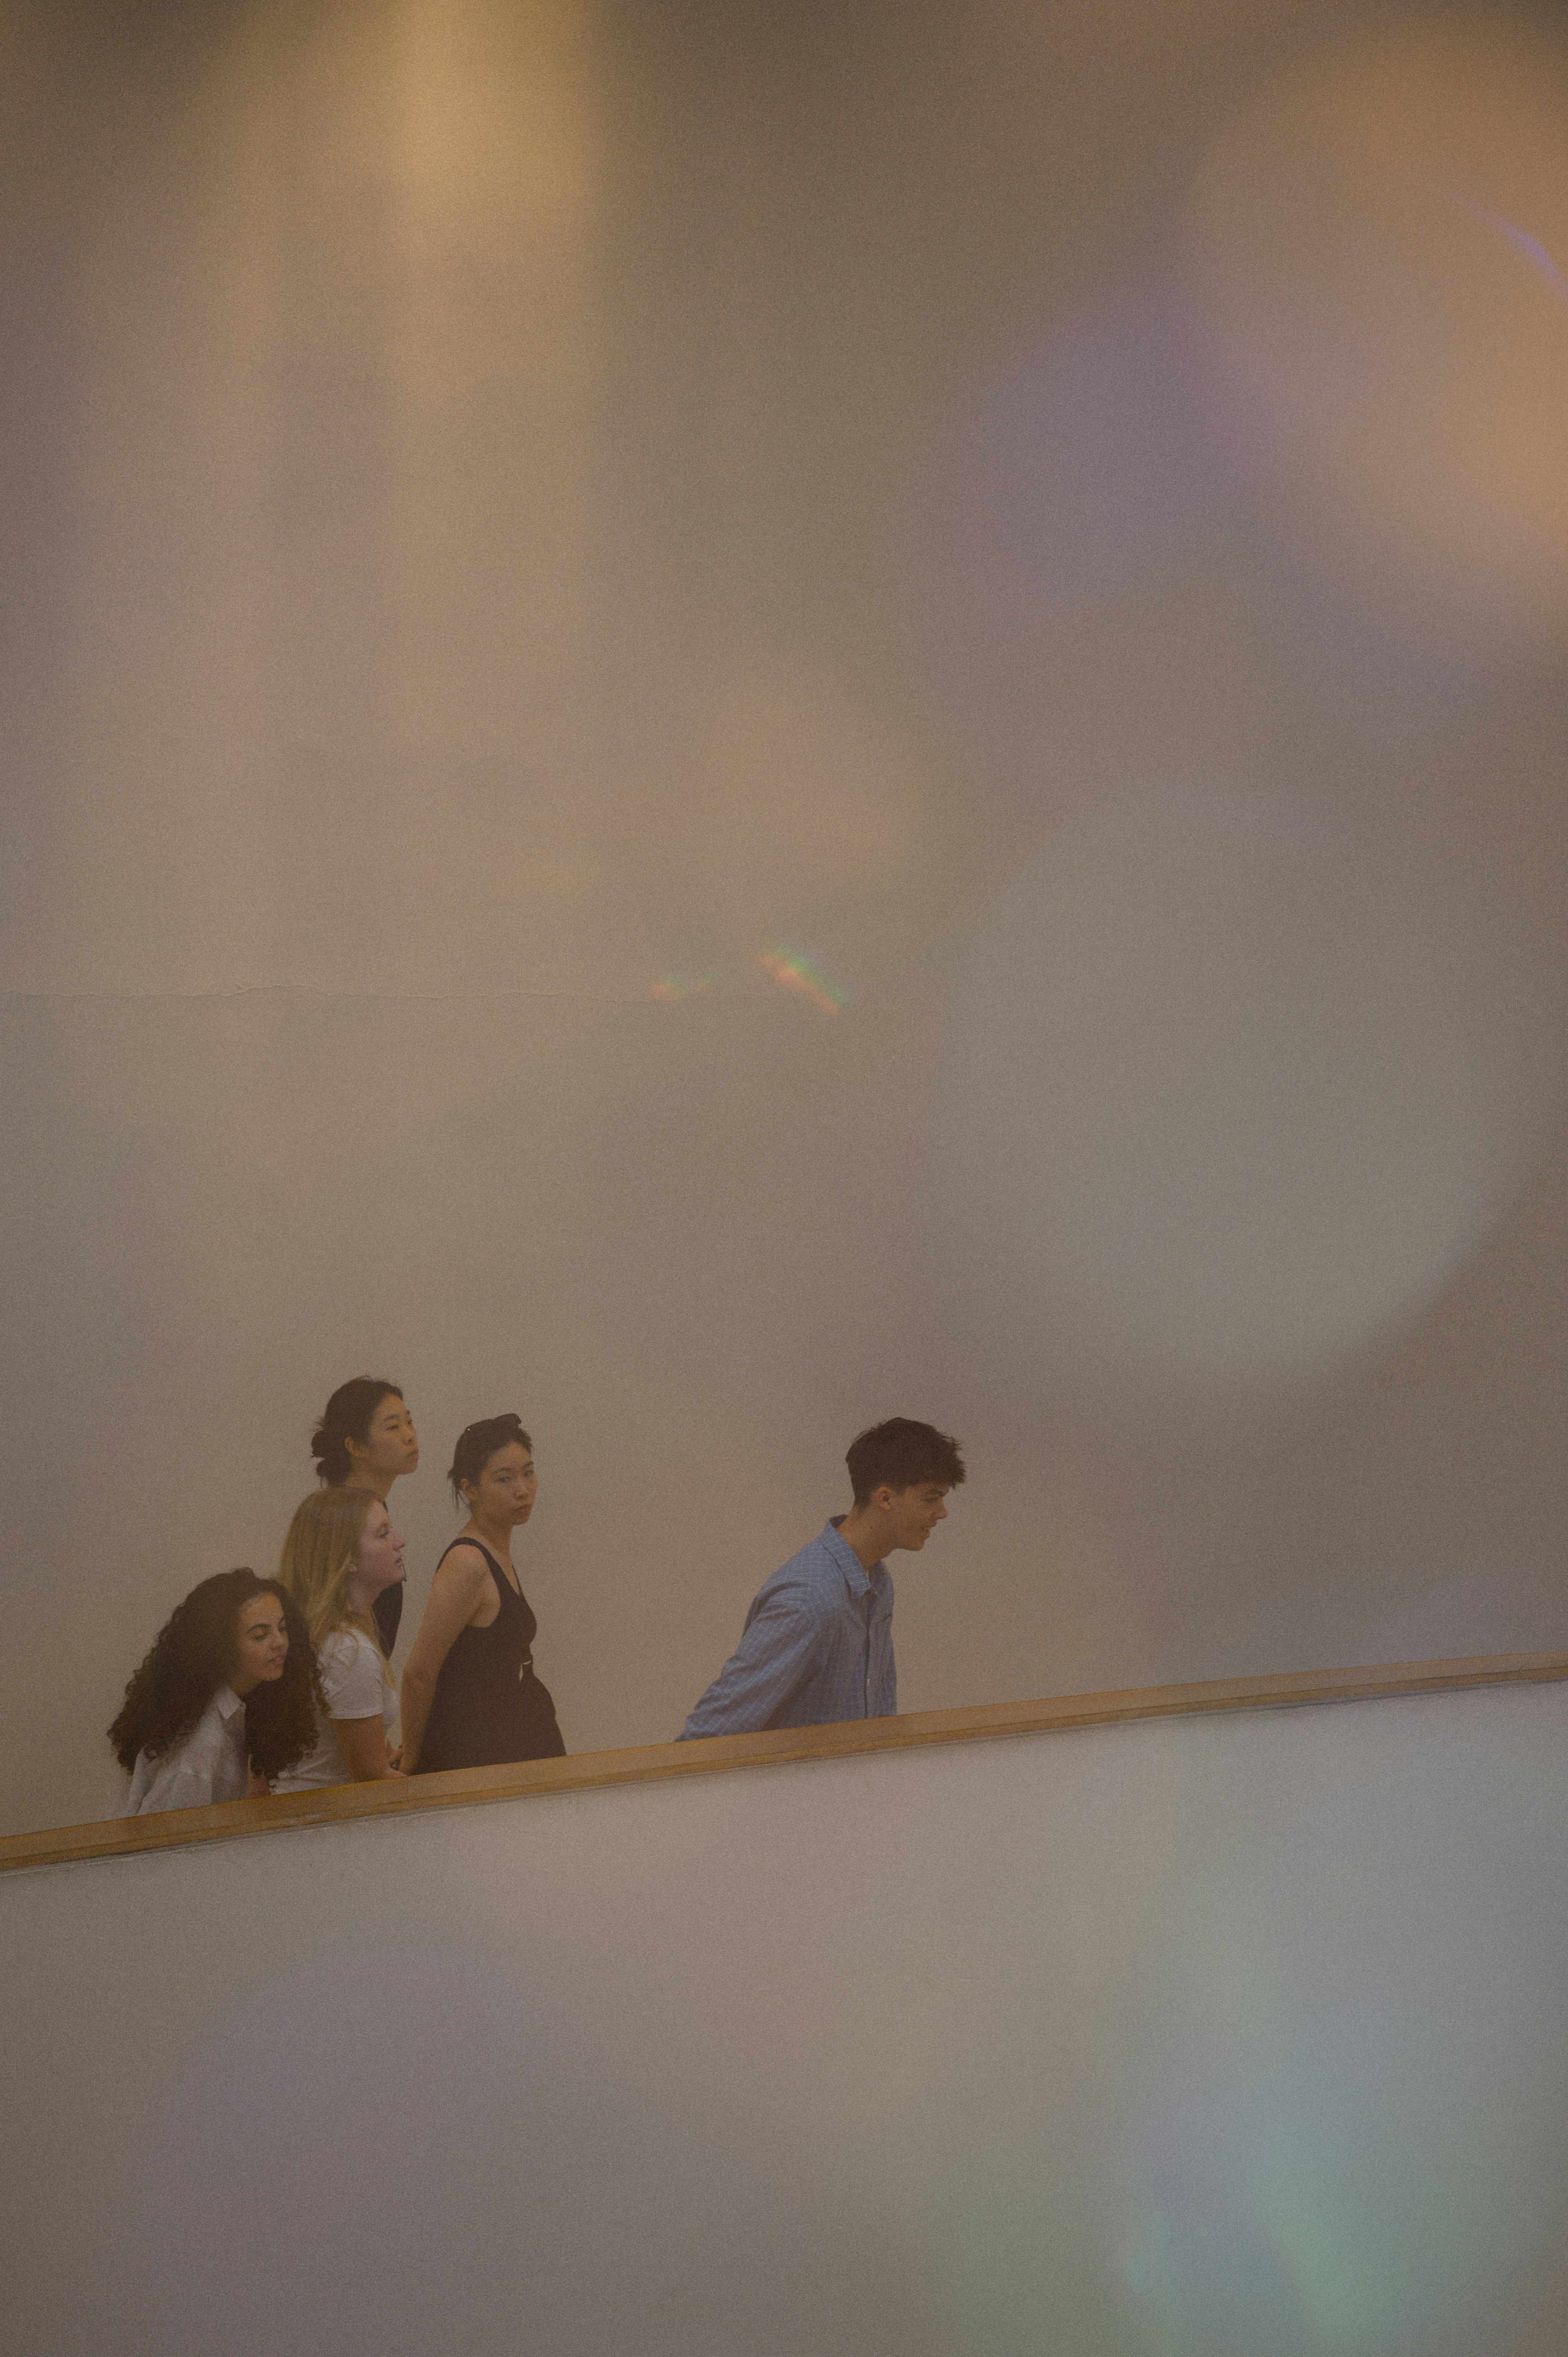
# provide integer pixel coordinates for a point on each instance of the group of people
(257, 1685)
(282, 1684)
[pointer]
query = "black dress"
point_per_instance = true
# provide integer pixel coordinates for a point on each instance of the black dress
(388, 1609)
(488, 1708)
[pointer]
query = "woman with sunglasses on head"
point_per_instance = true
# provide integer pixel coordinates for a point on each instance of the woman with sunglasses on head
(470, 1698)
(366, 1440)
(341, 1556)
(225, 1698)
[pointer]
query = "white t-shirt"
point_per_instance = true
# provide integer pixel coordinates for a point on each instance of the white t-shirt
(355, 1687)
(210, 1765)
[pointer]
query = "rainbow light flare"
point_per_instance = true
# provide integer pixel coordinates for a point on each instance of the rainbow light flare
(672, 989)
(790, 971)
(1529, 246)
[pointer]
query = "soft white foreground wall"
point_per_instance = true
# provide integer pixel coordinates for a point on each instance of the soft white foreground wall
(1210, 2038)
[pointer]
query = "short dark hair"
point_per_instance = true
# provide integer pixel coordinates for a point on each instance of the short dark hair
(901, 1453)
(347, 1417)
(477, 1444)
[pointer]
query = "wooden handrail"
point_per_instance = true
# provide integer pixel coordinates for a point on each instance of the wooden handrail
(458, 1787)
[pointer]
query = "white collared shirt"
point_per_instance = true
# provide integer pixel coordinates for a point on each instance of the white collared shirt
(211, 1764)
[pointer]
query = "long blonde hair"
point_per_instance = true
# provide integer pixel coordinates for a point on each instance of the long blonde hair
(318, 1558)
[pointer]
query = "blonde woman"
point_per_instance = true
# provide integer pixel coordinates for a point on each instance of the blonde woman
(366, 1440)
(341, 1553)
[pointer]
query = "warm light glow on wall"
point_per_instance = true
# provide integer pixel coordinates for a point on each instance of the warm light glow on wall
(1378, 243)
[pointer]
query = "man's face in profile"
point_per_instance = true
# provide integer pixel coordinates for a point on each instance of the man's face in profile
(915, 1513)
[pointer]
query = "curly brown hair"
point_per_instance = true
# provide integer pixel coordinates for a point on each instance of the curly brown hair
(192, 1657)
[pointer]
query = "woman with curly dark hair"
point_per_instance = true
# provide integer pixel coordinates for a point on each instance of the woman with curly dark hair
(226, 1698)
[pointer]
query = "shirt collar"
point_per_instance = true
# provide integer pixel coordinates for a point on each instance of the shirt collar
(227, 1702)
(856, 1578)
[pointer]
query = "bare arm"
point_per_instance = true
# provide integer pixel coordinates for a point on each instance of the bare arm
(363, 1743)
(455, 1594)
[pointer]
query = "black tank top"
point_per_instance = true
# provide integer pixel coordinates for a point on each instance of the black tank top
(488, 1708)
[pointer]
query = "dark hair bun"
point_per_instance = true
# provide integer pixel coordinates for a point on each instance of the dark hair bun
(347, 1417)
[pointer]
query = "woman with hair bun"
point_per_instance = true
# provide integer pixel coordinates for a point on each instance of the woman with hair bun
(225, 1698)
(340, 1555)
(366, 1440)
(470, 1698)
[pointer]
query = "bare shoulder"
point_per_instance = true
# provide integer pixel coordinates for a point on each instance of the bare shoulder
(463, 1565)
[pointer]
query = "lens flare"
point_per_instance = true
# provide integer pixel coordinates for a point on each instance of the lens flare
(1529, 246)
(1353, 243)
(1217, 1104)
(672, 989)
(791, 971)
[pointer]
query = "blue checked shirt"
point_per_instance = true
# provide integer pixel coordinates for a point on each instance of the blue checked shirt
(817, 1646)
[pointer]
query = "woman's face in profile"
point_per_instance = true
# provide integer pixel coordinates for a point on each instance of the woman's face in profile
(391, 1445)
(506, 1488)
(380, 1551)
(261, 1646)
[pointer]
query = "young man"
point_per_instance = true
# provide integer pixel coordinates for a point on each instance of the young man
(818, 1641)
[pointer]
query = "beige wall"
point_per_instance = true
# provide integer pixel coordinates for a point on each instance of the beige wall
(1191, 2038)
(513, 510)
